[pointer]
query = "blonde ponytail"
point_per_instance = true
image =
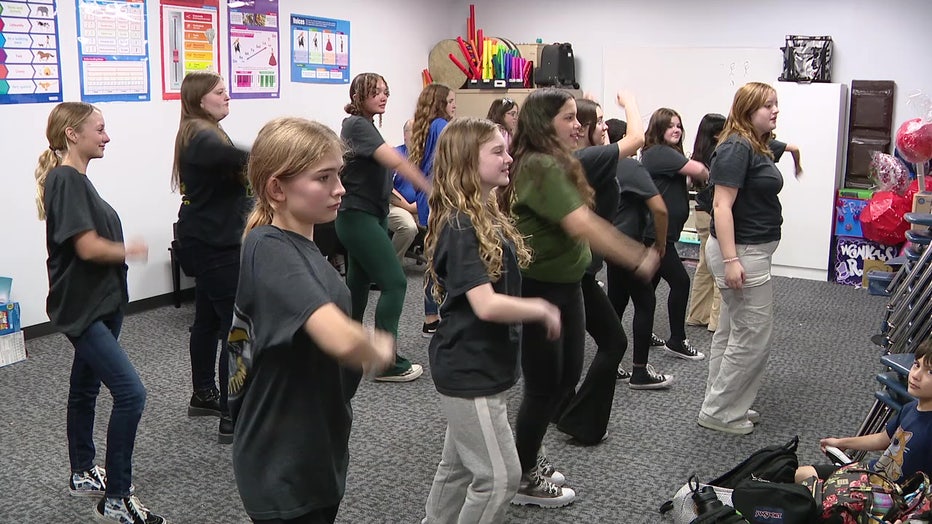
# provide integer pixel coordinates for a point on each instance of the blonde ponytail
(261, 215)
(48, 161)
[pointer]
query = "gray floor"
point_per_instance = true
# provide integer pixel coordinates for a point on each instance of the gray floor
(819, 383)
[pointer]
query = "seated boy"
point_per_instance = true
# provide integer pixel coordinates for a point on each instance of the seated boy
(907, 440)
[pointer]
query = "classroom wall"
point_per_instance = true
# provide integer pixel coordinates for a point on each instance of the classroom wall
(392, 38)
(887, 40)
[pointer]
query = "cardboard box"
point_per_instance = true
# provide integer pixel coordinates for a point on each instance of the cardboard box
(847, 217)
(922, 203)
(851, 253)
(12, 348)
(9, 318)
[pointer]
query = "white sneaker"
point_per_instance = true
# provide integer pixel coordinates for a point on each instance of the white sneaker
(742, 427)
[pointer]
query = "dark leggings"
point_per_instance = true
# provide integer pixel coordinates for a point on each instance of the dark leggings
(551, 367)
(586, 414)
(623, 285)
(318, 516)
(673, 271)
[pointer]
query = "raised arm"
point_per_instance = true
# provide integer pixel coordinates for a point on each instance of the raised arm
(348, 341)
(389, 157)
(634, 136)
(91, 247)
(695, 170)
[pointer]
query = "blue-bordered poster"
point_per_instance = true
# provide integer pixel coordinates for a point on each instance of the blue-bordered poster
(29, 60)
(113, 53)
(320, 50)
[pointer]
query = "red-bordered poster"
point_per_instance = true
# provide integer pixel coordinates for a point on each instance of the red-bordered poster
(189, 29)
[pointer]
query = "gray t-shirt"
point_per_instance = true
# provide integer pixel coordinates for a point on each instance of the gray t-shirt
(633, 217)
(757, 212)
(470, 357)
(290, 400)
(600, 164)
(368, 184)
(664, 164)
(80, 292)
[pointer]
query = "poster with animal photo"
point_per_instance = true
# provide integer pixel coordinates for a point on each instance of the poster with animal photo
(254, 57)
(190, 30)
(320, 50)
(29, 60)
(113, 53)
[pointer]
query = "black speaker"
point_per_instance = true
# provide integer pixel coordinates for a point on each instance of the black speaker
(557, 66)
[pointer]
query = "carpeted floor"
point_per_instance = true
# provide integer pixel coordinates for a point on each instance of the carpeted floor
(819, 382)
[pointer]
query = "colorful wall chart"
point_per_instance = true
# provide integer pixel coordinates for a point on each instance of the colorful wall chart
(254, 70)
(113, 54)
(189, 41)
(29, 61)
(319, 50)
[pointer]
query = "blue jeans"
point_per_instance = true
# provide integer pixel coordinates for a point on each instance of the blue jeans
(98, 358)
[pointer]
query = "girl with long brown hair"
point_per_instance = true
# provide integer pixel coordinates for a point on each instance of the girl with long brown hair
(474, 254)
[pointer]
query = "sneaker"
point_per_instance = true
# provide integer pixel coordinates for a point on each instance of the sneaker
(547, 469)
(205, 403)
(649, 379)
(536, 490)
(225, 430)
(90, 483)
(753, 416)
(126, 510)
(742, 427)
(684, 350)
(656, 341)
(622, 374)
(407, 375)
(429, 328)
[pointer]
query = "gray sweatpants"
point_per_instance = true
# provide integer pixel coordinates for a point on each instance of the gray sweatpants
(741, 344)
(479, 470)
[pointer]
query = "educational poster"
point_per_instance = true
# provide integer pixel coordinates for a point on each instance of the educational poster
(189, 41)
(113, 54)
(319, 50)
(254, 71)
(29, 61)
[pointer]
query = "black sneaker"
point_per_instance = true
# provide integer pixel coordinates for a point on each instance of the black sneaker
(205, 403)
(656, 341)
(647, 378)
(429, 328)
(90, 483)
(622, 374)
(684, 350)
(536, 490)
(225, 432)
(126, 510)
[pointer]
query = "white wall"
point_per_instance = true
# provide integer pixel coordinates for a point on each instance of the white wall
(873, 40)
(392, 38)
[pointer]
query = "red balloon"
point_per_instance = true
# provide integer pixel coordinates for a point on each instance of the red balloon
(882, 218)
(914, 140)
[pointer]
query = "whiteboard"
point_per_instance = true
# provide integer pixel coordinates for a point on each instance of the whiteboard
(692, 81)
(696, 81)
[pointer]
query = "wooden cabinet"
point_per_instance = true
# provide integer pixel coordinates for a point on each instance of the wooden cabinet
(476, 102)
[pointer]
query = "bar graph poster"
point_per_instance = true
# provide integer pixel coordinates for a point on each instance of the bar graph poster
(29, 61)
(189, 41)
(254, 69)
(319, 50)
(113, 55)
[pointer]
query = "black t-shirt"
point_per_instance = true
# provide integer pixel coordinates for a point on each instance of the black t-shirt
(757, 212)
(470, 357)
(600, 164)
(704, 197)
(664, 164)
(633, 217)
(368, 184)
(215, 200)
(290, 400)
(80, 292)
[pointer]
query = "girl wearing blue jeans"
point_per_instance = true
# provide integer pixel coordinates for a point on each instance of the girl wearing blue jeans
(87, 294)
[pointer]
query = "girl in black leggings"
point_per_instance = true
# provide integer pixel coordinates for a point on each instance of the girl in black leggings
(671, 171)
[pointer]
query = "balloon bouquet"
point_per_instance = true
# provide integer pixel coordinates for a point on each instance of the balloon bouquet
(882, 219)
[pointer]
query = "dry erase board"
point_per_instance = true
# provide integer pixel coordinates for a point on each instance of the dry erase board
(693, 81)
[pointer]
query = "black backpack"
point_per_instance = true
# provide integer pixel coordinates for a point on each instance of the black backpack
(557, 67)
(773, 463)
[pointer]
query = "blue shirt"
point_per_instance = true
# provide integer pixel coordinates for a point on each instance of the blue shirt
(910, 448)
(409, 193)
